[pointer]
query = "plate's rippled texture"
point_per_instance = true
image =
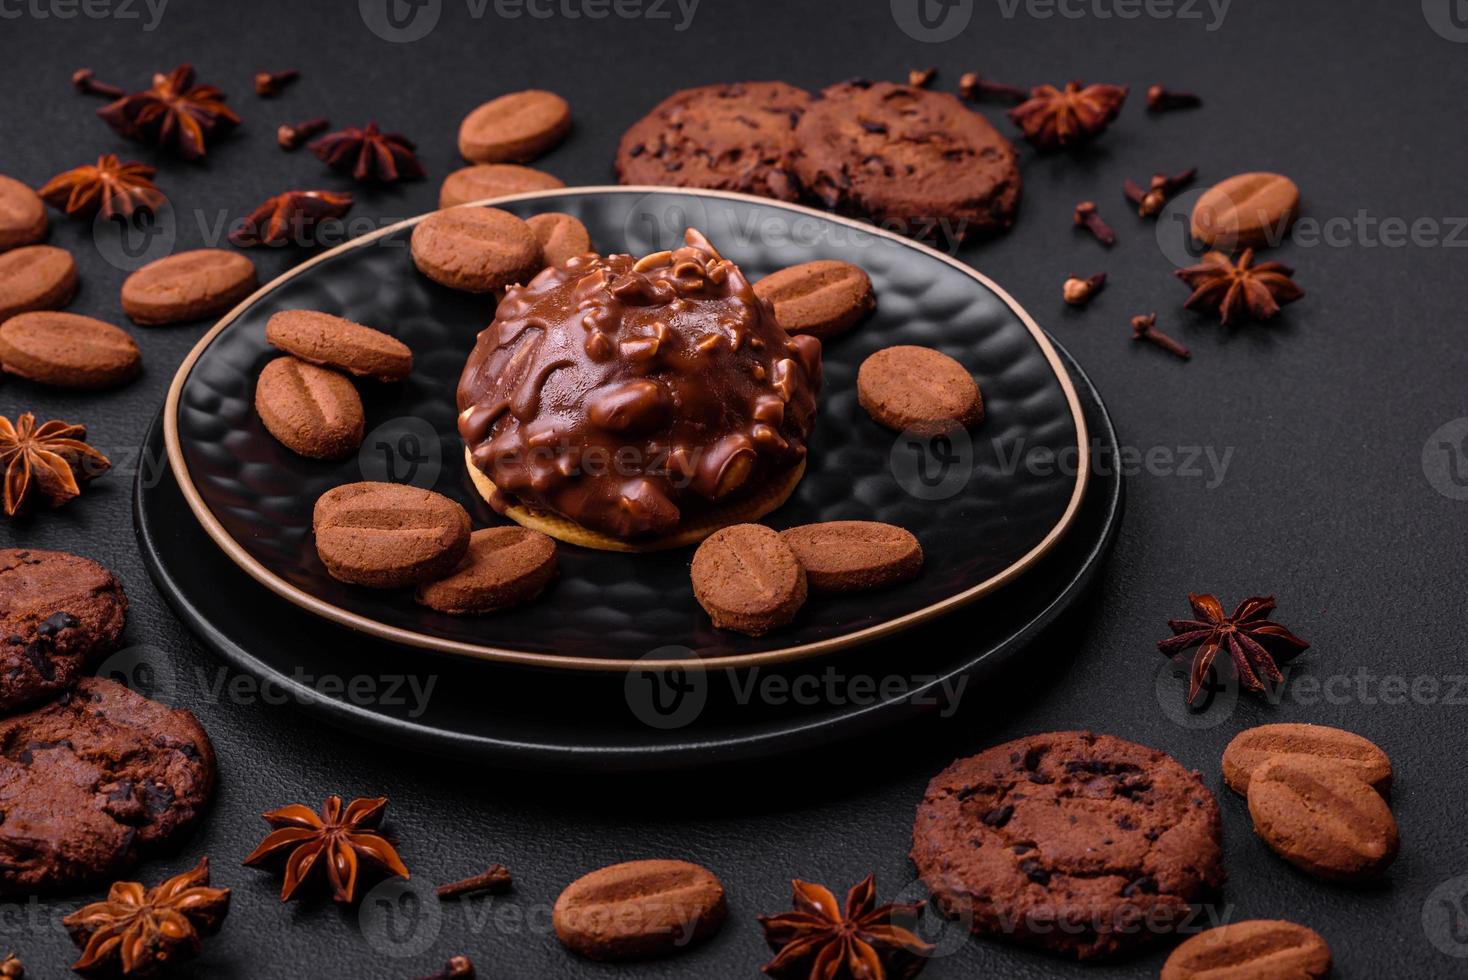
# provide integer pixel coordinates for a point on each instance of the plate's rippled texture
(619, 606)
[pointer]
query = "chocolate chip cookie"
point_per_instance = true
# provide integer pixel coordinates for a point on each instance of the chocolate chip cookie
(58, 614)
(738, 137)
(92, 782)
(1081, 844)
(910, 159)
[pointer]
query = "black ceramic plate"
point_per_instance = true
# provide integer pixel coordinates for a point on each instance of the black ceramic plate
(530, 718)
(985, 508)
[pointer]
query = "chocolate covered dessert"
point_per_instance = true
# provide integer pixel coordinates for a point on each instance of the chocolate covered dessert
(630, 404)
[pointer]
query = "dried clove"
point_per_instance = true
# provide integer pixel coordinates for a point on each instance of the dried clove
(291, 137)
(1159, 191)
(974, 87)
(268, 83)
(1145, 328)
(457, 968)
(86, 83)
(921, 77)
(1160, 99)
(1086, 216)
(1079, 292)
(495, 879)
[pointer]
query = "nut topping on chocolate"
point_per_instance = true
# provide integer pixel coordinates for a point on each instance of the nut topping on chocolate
(626, 394)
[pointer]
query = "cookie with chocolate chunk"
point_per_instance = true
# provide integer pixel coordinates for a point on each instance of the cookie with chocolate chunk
(93, 781)
(58, 614)
(915, 160)
(738, 137)
(1081, 844)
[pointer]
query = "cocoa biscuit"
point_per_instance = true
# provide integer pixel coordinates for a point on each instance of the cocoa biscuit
(486, 180)
(35, 277)
(478, 250)
(187, 286)
(1253, 746)
(1252, 210)
(68, 351)
(918, 388)
(312, 411)
(58, 614)
(23, 218)
(92, 782)
(334, 342)
(514, 128)
(1322, 818)
(738, 137)
(561, 236)
(823, 298)
(907, 157)
(639, 910)
(1255, 949)
(386, 535)
(505, 567)
(1077, 843)
(852, 556)
(748, 579)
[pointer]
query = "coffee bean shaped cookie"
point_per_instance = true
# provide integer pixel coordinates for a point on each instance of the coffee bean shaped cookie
(478, 250)
(514, 128)
(68, 351)
(1252, 747)
(852, 556)
(1256, 949)
(22, 215)
(311, 410)
(187, 286)
(639, 910)
(487, 180)
(505, 566)
(1078, 843)
(748, 579)
(386, 535)
(1322, 818)
(822, 298)
(919, 389)
(333, 342)
(94, 781)
(35, 277)
(561, 236)
(1251, 210)
(59, 613)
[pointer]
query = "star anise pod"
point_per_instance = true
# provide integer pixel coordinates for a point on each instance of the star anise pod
(1219, 286)
(1054, 119)
(1253, 642)
(109, 186)
(821, 940)
(336, 838)
(50, 461)
(138, 932)
(174, 113)
(289, 217)
(369, 154)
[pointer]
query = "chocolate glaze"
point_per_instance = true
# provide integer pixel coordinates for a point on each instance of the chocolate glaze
(628, 395)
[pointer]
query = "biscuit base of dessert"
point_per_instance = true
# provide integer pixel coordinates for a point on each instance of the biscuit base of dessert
(745, 510)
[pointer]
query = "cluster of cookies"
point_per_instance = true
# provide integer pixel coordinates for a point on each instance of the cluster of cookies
(911, 159)
(94, 776)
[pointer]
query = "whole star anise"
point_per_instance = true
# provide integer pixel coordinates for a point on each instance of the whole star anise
(173, 113)
(1053, 119)
(1253, 642)
(138, 932)
(50, 461)
(289, 217)
(337, 838)
(109, 186)
(1219, 286)
(821, 940)
(369, 154)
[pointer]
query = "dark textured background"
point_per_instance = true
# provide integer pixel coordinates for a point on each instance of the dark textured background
(1326, 413)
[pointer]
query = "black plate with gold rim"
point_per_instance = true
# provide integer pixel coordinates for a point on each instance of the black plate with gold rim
(986, 508)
